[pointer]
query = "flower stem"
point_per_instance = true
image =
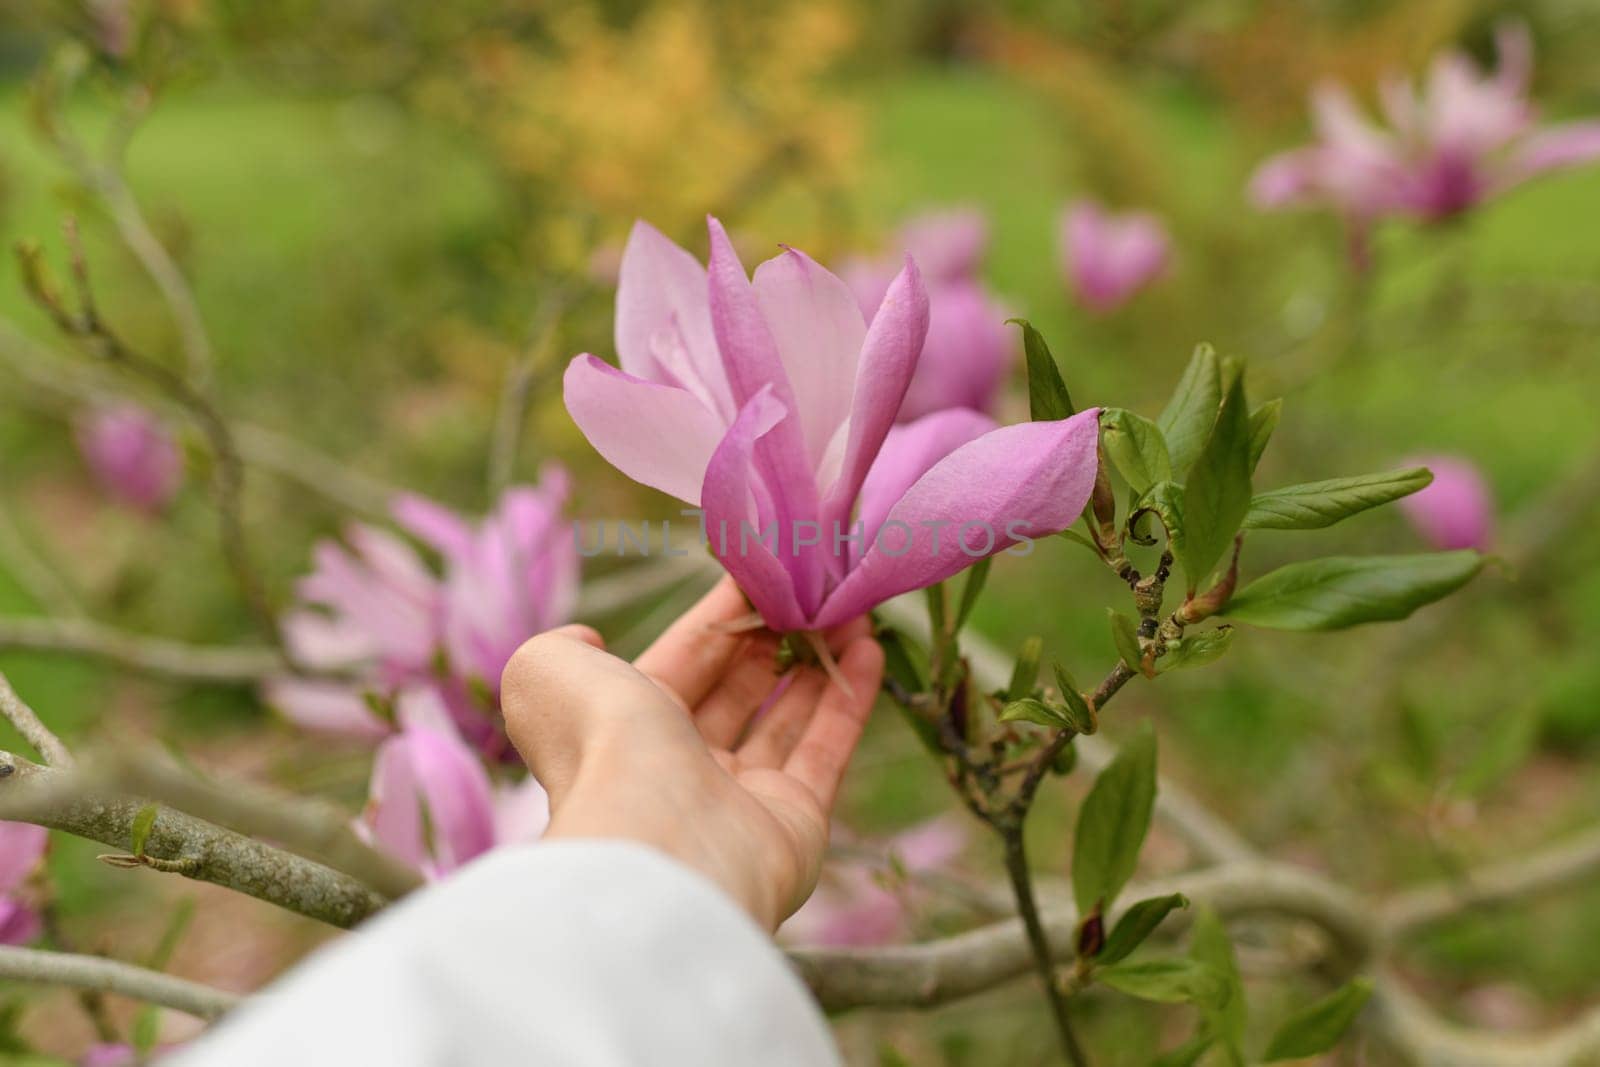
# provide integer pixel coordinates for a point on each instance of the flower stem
(1028, 908)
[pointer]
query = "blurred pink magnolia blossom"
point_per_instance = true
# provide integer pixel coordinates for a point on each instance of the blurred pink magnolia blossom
(417, 639)
(432, 806)
(133, 458)
(855, 907)
(1456, 510)
(22, 847)
(1108, 258)
(771, 404)
(969, 348)
(1464, 137)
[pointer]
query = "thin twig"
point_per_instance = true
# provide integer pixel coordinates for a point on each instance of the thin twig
(524, 376)
(28, 724)
(111, 976)
(105, 178)
(228, 470)
(224, 664)
(42, 582)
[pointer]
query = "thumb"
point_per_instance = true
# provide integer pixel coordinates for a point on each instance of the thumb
(558, 692)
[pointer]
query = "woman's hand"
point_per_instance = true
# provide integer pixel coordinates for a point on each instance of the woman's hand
(669, 751)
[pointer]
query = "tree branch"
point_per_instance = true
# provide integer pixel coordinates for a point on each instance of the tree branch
(1208, 836)
(193, 847)
(33, 731)
(310, 829)
(100, 975)
(242, 665)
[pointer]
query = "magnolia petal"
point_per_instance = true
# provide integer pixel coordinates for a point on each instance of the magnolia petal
(730, 514)
(332, 708)
(658, 435)
(663, 324)
(431, 804)
(1567, 145)
(947, 245)
(888, 361)
(966, 356)
(750, 355)
(818, 329)
(1028, 480)
(908, 453)
(22, 847)
(434, 524)
(19, 924)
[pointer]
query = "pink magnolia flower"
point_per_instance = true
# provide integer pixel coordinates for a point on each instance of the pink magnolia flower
(856, 908)
(969, 348)
(770, 405)
(374, 607)
(1456, 510)
(132, 456)
(1464, 137)
(1108, 258)
(431, 804)
(510, 577)
(22, 847)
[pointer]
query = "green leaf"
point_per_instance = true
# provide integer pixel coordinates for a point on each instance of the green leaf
(146, 1031)
(1112, 824)
(1169, 981)
(1315, 505)
(1196, 649)
(1187, 419)
(1318, 1027)
(1138, 923)
(1025, 673)
(1340, 591)
(1078, 711)
(1185, 1055)
(1125, 636)
(1263, 421)
(1216, 495)
(1048, 398)
(976, 577)
(1035, 711)
(1135, 445)
(143, 822)
(1226, 1014)
(903, 660)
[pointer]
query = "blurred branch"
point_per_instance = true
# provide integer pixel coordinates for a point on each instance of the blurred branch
(181, 843)
(105, 179)
(1546, 869)
(523, 378)
(86, 325)
(41, 581)
(112, 976)
(149, 655)
(1363, 933)
(314, 470)
(60, 387)
(33, 731)
(313, 830)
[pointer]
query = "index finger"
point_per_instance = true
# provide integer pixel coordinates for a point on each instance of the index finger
(693, 653)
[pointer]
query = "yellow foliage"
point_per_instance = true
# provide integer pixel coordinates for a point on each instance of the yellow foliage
(682, 111)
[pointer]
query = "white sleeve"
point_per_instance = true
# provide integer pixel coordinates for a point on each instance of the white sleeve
(588, 953)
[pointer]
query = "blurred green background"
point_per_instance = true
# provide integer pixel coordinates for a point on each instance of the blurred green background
(376, 203)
